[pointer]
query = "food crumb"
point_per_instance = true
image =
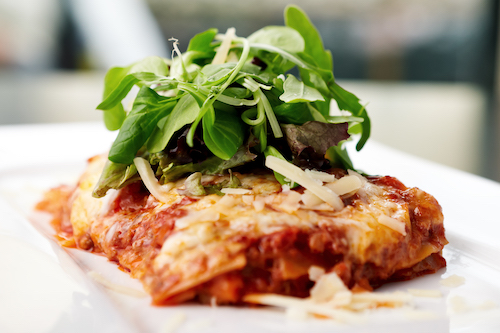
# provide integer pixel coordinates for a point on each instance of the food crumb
(297, 314)
(433, 293)
(452, 281)
(457, 304)
(174, 322)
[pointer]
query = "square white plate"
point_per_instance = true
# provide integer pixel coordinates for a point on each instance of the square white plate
(45, 288)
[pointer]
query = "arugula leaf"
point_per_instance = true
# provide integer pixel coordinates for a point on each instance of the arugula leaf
(216, 74)
(293, 113)
(217, 90)
(123, 88)
(202, 42)
(153, 64)
(114, 114)
(348, 101)
(296, 91)
(113, 117)
(298, 20)
(148, 109)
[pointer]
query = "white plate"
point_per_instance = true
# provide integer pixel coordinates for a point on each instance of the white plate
(45, 288)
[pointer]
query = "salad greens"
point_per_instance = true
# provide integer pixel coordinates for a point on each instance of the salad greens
(228, 102)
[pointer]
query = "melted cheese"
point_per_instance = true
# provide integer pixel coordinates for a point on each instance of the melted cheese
(204, 242)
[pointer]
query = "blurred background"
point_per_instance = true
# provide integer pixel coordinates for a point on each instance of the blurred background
(426, 68)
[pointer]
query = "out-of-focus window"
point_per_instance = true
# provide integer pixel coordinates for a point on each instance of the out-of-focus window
(448, 40)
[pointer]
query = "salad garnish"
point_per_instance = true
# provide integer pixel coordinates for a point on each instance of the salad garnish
(229, 102)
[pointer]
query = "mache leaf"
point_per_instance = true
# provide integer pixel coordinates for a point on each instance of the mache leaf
(185, 112)
(147, 110)
(223, 133)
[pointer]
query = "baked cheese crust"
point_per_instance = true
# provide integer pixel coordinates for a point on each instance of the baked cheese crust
(261, 241)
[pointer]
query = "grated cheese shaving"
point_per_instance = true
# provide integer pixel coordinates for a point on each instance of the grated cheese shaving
(392, 223)
(259, 204)
(205, 215)
(345, 185)
(291, 202)
(355, 174)
(297, 175)
(116, 287)
(327, 286)
(452, 281)
(149, 179)
(310, 199)
(247, 199)
(306, 305)
(397, 297)
(298, 314)
(228, 190)
(433, 293)
(332, 299)
(315, 272)
(221, 55)
(320, 175)
(174, 322)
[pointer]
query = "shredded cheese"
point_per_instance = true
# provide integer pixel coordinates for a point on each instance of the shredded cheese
(298, 303)
(432, 293)
(225, 46)
(397, 297)
(149, 179)
(116, 287)
(345, 185)
(174, 322)
(361, 178)
(392, 223)
(291, 202)
(315, 272)
(326, 287)
(206, 215)
(452, 281)
(320, 175)
(228, 190)
(297, 175)
(332, 299)
(310, 199)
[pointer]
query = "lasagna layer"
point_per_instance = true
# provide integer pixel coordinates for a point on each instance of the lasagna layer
(263, 241)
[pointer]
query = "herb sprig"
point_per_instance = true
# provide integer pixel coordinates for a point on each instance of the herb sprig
(220, 114)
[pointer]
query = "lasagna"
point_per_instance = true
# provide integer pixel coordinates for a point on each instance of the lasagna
(263, 238)
(229, 177)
